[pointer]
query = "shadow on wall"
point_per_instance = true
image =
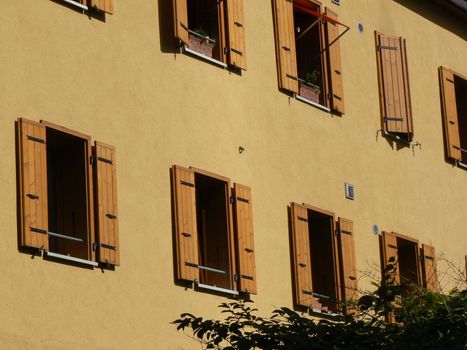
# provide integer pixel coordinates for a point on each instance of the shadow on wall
(437, 15)
(91, 13)
(169, 44)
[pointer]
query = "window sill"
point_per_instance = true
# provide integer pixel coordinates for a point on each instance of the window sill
(84, 7)
(217, 289)
(303, 99)
(70, 258)
(207, 58)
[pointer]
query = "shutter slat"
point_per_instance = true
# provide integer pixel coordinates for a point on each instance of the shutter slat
(348, 268)
(107, 211)
(285, 45)
(335, 68)
(301, 256)
(245, 239)
(450, 116)
(180, 10)
(103, 5)
(33, 184)
(428, 262)
(186, 233)
(235, 20)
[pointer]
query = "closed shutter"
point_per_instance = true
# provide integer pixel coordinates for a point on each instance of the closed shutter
(235, 20)
(245, 239)
(301, 256)
(347, 259)
(181, 20)
(428, 262)
(450, 117)
(389, 253)
(335, 67)
(186, 233)
(33, 184)
(108, 247)
(394, 91)
(285, 45)
(103, 5)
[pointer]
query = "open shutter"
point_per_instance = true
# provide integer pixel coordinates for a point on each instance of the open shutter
(33, 184)
(235, 20)
(186, 233)
(428, 262)
(103, 5)
(245, 240)
(301, 256)
(389, 250)
(347, 259)
(285, 45)
(181, 20)
(394, 91)
(107, 244)
(335, 67)
(450, 117)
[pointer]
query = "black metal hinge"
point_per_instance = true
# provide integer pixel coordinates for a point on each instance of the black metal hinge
(35, 139)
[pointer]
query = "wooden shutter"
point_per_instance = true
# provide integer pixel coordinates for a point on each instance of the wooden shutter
(244, 238)
(450, 117)
(285, 45)
(103, 5)
(347, 259)
(301, 255)
(235, 21)
(108, 247)
(186, 233)
(33, 184)
(396, 110)
(181, 20)
(335, 67)
(389, 250)
(428, 262)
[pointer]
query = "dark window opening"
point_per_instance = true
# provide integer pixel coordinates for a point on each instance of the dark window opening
(407, 252)
(213, 230)
(461, 104)
(309, 56)
(66, 182)
(203, 23)
(322, 255)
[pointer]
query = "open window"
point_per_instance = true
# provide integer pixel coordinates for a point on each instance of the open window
(68, 194)
(100, 5)
(212, 30)
(454, 108)
(213, 231)
(323, 258)
(308, 53)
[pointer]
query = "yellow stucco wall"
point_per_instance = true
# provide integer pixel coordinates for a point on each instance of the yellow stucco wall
(114, 80)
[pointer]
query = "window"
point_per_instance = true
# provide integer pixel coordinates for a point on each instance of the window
(65, 183)
(323, 260)
(454, 107)
(213, 231)
(394, 92)
(308, 53)
(212, 29)
(414, 265)
(100, 5)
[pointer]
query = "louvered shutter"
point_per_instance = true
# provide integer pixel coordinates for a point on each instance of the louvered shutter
(335, 67)
(108, 247)
(244, 238)
(285, 45)
(301, 256)
(186, 232)
(181, 20)
(347, 259)
(428, 262)
(103, 5)
(450, 117)
(389, 250)
(235, 21)
(33, 184)
(394, 90)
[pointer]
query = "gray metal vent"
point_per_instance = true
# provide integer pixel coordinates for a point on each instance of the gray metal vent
(349, 191)
(337, 2)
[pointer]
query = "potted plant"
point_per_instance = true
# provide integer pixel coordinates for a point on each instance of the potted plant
(199, 40)
(309, 87)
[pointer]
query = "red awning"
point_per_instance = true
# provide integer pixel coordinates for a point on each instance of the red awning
(303, 5)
